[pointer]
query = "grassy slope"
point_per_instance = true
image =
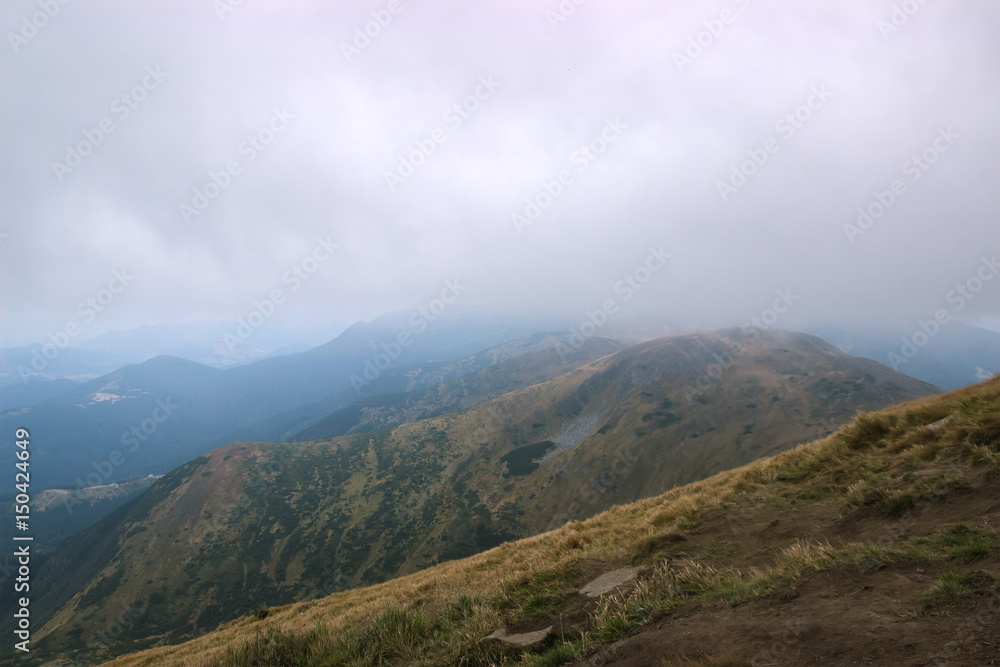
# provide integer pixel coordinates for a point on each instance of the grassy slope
(257, 524)
(518, 364)
(886, 496)
(58, 513)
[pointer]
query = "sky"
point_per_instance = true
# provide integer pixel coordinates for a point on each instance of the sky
(323, 162)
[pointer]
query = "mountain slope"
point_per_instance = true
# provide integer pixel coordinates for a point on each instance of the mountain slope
(256, 524)
(956, 355)
(26, 394)
(58, 513)
(29, 364)
(878, 545)
(502, 371)
(81, 430)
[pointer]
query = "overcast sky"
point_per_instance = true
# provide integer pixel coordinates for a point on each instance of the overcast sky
(116, 116)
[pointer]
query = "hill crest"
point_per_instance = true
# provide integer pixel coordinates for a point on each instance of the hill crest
(254, 523)
(891, 556)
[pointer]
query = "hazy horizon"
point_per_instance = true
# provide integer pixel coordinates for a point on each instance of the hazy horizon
(686, 163)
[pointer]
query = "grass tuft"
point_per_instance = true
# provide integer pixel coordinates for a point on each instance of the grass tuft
(951, 588)
(868, 429)
(897, 463)
(275, 648)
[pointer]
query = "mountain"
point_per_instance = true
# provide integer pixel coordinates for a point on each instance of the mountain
(950, 355)
(502, 369)
(194, 341)
(877, 545)
(139, 420)
(58, 513)
(206, 342)
(151, 417)
(33, 363)
(18, 395)
(260, 524)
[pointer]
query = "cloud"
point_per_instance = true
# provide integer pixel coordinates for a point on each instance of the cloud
(558, 83)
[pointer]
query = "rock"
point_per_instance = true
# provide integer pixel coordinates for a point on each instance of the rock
(939, 423)
(523, 640)
(609, 581)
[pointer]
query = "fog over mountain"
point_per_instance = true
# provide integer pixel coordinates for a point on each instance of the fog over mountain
(312, 164)
(484, 303)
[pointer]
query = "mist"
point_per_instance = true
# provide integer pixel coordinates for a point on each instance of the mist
(321, 163)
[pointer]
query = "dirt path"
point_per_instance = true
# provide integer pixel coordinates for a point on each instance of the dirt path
(843, 617)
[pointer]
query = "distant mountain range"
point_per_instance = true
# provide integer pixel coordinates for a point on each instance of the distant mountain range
(954, 355)
(204, 342)
(877, 545)
(256, 524)
(497, 371)
(151, 417)
(58, 513)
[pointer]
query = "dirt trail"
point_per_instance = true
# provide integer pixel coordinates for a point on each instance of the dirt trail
(843, 617)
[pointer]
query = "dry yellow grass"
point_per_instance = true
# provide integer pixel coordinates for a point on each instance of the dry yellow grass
(608, 537)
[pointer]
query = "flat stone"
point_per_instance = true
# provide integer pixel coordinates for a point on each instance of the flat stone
(524, 640)
(939, 423)
(609, 581)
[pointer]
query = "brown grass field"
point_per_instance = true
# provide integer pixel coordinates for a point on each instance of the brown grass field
(877, 545)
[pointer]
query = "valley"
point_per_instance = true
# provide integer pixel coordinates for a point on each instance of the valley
(500, 333)
(257, 524)
(875, 545)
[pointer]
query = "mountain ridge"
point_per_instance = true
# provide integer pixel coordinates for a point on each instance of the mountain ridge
(253, 523)
(889, 557)
(80, 429)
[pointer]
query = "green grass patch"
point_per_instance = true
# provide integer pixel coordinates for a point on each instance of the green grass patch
(714, 550)
(561, 654)
(962, 543)
(275, 648)
(544, 595)
(952, 587)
